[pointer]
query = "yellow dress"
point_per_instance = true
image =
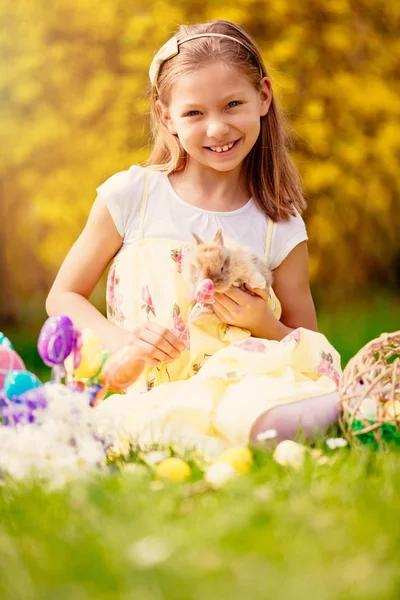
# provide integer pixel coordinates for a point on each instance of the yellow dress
(226, 378)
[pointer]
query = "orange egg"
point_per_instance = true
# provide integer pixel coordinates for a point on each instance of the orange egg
(392, 410)
(121, 369)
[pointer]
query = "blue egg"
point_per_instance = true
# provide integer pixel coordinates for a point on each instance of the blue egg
(4, 341)
(19, 382)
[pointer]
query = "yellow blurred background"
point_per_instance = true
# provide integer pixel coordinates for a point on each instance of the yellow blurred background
(73, 111)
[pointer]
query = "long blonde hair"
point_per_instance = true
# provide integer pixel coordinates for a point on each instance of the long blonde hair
(272, 178)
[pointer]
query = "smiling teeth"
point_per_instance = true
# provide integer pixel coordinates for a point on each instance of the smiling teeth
(222, 148)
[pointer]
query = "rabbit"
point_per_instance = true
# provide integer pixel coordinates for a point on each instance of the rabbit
(225, 263)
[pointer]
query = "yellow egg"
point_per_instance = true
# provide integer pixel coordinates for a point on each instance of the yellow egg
(173, 469)
(92, 355)
(391, 410)
(239, 458)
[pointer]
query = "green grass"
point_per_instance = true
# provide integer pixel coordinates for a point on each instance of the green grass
(351, 322)
(328, 531)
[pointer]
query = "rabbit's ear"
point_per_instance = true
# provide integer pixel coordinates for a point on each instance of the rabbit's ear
(218, 236)
(199, 242)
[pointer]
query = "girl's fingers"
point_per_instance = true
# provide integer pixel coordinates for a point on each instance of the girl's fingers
(220, 313)
(158, 346)
(236, 295)
(167, 334)
(150, 352)
(150, 362)
(134, 352)
(261, 292)
(226, 304)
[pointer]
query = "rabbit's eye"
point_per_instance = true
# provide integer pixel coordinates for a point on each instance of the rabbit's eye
(222, 268)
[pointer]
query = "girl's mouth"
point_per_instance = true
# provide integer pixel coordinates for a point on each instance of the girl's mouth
(223, 150)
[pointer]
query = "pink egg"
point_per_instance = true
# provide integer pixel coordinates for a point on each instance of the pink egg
(9, 361)
(205, 292)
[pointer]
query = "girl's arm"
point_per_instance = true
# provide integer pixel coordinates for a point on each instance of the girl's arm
(291, 285)
(81, 271)
(78, 276)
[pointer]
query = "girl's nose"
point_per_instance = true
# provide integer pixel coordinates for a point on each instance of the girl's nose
(216, 129)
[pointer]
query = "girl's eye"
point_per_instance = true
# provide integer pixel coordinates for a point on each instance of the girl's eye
(234, 103)
(192, 113)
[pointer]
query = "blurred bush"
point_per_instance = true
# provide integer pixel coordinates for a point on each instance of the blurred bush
(73, 104)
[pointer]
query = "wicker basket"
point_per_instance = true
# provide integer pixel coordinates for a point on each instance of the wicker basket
(370, 391)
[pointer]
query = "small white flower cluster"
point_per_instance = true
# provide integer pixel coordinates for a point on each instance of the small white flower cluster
(69, 438)
(60, 444)
(128, 427)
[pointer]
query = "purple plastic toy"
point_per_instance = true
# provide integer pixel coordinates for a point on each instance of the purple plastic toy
(56, 341)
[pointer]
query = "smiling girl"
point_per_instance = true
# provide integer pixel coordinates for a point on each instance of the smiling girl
(219, 159)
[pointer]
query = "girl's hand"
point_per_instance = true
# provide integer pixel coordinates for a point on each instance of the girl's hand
(241, 309)
(156, 344)
(150, 344)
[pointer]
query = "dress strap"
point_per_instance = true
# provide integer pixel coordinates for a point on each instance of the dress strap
(268, 240)
(144, 204)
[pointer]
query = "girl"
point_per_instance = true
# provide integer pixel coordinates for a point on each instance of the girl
(219, 160)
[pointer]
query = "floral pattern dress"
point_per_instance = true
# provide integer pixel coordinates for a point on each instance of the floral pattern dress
(225, 378)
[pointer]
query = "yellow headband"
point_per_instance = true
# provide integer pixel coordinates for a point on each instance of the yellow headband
(171, 49)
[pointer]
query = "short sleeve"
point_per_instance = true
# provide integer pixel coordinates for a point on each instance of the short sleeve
(286, 235)
(122, 194)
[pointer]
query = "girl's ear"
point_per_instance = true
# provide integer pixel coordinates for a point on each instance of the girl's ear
(166, 119)
(265, 96)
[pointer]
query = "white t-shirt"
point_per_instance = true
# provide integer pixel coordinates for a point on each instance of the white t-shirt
(168, 216)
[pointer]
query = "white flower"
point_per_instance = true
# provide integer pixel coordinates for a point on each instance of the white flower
(334, 443)
(156, 456)
(149, 551)
(269, 434)
(219, 474)
(263, 493)
(121, 446)
(59, 445)
(134, 469)
(290, 453)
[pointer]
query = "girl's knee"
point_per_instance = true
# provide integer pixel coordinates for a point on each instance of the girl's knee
(310, 417)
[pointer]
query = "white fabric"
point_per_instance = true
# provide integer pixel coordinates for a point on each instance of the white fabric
(169, 217)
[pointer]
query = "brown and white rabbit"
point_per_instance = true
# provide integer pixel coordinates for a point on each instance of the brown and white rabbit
(225, 263)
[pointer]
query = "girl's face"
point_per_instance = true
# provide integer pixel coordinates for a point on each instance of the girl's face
(215, 111)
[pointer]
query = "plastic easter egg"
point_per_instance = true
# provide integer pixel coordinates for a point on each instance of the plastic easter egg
(9, 360)
(77, 345)
(121, 369)
(4, 341)
(173, 469)
(392, 410)
(239, 458)
(56, 340)
(17, 383)
(91, 352)
(205, 292)
(290, 453)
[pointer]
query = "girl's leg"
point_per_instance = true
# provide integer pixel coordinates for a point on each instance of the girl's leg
(311, 416)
